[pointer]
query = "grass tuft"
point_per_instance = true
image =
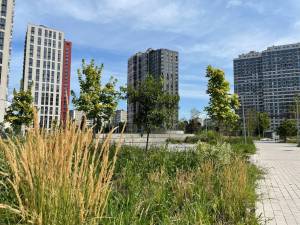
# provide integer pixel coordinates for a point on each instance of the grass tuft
(60, 178)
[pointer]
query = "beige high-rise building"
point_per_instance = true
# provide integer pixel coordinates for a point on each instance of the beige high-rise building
(6, 28)
(43, 71)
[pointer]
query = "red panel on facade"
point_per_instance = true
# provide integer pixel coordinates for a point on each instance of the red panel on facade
(66, 78)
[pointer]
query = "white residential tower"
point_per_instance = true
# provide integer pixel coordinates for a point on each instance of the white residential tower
(6, 28)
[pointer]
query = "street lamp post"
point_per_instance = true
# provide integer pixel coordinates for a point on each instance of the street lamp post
(297, 117)
(244, 122)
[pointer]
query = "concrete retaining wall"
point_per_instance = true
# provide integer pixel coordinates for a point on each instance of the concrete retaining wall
(154, 139)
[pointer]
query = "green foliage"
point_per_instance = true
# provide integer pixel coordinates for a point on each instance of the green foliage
(287, 128)
(222, 105)
(193, 126)
(212, 185)
(257, 122)
(98, 101)
(156, 107)
(264, 122)
(182, 124)
(21, 111)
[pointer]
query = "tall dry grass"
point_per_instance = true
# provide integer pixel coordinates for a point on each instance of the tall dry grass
(62, 177)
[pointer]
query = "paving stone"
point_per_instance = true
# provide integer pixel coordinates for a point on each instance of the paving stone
(279, 191)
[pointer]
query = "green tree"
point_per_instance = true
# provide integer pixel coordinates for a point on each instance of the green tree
(193, 126)
(286, 129)
(264, 122)
(251, 121)
(156, 107)
(222, 104)
(21, 110)
(96, 100)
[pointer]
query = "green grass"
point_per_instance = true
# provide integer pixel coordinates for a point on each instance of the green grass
(214, 184)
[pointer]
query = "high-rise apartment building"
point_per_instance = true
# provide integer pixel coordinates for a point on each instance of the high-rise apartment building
(46, 66)
(66, 79)
(119, 117)
(269, 81)
(6, 28)
(158, 63)
(248, 80)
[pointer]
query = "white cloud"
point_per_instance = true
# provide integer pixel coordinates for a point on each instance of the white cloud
(155, 14)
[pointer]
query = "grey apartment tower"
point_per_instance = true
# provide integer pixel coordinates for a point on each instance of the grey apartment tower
(158, 63)
(269, 81)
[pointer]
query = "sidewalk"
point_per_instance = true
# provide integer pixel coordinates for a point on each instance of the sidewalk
(280, 188)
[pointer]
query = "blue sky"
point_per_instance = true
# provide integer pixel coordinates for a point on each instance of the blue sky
(202, 31)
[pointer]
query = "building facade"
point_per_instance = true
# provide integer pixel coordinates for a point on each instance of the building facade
(269, 81)
(43, 71)
(119, 117)
(77, 117)
(6, 29)
(66, 79)
(158, 63)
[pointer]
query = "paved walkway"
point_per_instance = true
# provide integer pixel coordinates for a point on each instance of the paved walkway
(280, 189)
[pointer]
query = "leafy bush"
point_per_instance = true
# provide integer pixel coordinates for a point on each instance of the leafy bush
(192, 139)
(174, 141)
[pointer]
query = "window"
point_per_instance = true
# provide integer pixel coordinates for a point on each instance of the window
(49, 54)
(31, 51)
(4, 8)
(52, 77)
(44, 75)
(48, 76)
(36, 98)
(59, 55)
(30, 61)
(39, 40)
(45, 53)
(1, 40)
(2, 23)
(36, 86)
(57, 100)
(53, 55)
(38, 52)
(31, 39)
(40, 32)
(37, 75)
(30, 74)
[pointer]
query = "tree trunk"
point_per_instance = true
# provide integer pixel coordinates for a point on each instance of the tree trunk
(147, 143)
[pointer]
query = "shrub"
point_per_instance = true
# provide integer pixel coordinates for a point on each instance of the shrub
(62, 177)
(174, 141)
(211, 185)
(192, 139)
